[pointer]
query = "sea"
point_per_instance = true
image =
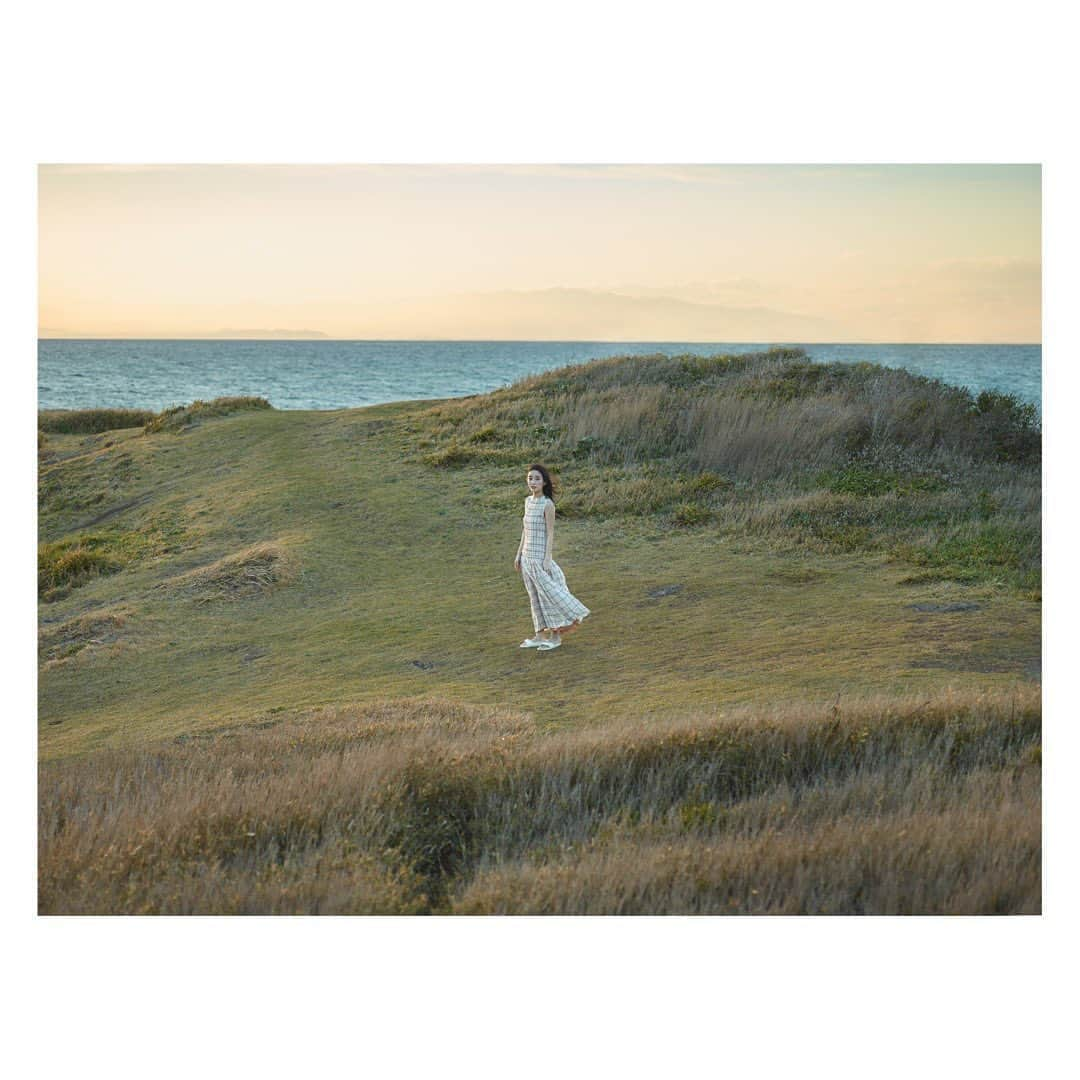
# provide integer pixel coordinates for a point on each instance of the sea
(331, 374)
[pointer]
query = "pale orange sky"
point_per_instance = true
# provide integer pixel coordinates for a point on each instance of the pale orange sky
(633, 252)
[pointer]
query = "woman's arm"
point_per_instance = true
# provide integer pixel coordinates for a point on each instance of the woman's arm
(521, 548)
(549, 521)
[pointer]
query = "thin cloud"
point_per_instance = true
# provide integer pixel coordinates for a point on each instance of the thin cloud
(675, 173)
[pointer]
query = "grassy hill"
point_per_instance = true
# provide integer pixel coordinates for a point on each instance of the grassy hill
(752, 534)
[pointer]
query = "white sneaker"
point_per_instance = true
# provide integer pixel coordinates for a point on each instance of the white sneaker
(531, 643)
(552, 643)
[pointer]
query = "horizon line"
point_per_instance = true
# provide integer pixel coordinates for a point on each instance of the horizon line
(517, 341)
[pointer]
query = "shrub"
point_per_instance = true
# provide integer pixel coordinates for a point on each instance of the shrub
(91, 421)
(690, 514)
(708, 483)
(66, 564)
(1011, 425)
(860, 480)
(982, 550)
(487, 433)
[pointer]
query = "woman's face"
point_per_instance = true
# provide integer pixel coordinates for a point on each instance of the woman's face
(535, 481)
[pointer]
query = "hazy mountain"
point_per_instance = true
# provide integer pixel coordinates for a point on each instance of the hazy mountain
(261, 334)
(573, 314)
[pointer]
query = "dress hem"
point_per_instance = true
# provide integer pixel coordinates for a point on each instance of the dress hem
(567, 629)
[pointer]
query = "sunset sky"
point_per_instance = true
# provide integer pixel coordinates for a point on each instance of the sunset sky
(606, 252)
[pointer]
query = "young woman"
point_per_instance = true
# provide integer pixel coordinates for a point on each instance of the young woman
(554, 610)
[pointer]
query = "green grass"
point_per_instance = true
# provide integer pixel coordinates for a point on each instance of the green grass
(400, 579)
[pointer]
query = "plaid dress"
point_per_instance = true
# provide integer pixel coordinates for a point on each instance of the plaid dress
(553, 606)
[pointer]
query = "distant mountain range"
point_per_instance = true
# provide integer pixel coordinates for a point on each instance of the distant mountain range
(585, 314)
(257, 334)
(198, 335)
(557, 314)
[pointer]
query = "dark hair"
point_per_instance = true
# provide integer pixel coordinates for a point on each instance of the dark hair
(549, 484)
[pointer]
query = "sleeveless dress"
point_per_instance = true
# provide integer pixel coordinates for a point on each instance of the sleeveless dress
(553, 605)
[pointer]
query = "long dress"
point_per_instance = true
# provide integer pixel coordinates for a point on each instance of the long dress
(553, 605)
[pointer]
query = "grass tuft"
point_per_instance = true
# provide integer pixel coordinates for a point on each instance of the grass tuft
(66, 639)
(250, 572)
(65, 564)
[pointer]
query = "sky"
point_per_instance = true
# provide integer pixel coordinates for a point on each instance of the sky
(831, 253)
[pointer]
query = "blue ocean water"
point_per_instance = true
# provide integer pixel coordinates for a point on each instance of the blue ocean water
(156, 374)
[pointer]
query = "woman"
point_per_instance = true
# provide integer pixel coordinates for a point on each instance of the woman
(554, 610)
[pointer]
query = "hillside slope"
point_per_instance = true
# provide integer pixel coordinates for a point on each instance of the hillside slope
(243, 566)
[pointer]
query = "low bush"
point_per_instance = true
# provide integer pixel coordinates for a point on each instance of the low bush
(66, 564)
(91, 421)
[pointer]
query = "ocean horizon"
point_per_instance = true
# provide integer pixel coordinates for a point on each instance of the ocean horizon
(331, 373)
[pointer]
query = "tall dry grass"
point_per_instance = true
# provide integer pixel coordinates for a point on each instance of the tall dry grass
(90, 421)
(753, 416)
(878, 806)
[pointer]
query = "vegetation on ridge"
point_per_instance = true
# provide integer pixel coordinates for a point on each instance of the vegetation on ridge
(842, 457)
(96, 421)
(91, 421)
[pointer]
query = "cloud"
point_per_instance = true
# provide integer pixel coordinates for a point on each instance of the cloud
(989, 266)
(89, 169)
(713, 174)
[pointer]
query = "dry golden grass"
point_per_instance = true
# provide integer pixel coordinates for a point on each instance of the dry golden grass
(836, 850)
(877, 806)
(255, 569)
(57, 642)
(90, 421)
(751, 416)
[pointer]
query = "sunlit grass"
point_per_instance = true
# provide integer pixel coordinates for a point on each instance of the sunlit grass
(880, 806)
